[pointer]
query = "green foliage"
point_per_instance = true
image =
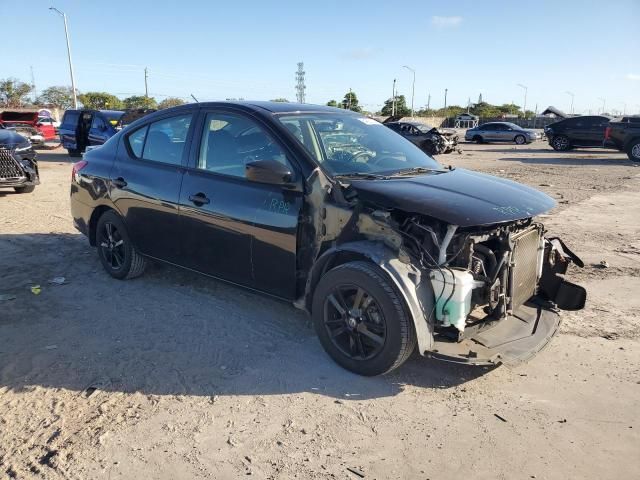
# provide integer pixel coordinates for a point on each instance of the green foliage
(100, 101)
(139, 101)
(332, 103)
(281, 100)
(170, 102)
(350, 102)
(401, 106)
(61, 97)
(13, 92)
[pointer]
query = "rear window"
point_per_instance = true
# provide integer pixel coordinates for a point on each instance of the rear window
(71, 118)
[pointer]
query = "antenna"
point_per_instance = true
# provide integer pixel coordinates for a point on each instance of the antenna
(300, 86)
(197, 101)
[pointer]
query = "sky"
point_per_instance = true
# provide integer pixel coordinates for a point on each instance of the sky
(250, 49)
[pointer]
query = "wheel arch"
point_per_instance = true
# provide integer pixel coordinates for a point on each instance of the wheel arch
(406, 278)
(93, 221)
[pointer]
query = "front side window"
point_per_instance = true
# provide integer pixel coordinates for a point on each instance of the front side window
(230, 141)
(347, 144)
(98, 123)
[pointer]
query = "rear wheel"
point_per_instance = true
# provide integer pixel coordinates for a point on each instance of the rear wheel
(27, 189)
(117, 254)
(477, 139)
(633, 151)
(74, 153)
(560, 143)
(520, 140)
(361, 321)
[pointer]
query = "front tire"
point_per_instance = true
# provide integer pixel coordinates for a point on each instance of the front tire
(633, 151)
(27, 189)
(520, 140)
(478, 139)
(561, 143)
(117, 254)
(361, 320)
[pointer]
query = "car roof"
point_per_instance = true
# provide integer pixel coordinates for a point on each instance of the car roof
(280, 107)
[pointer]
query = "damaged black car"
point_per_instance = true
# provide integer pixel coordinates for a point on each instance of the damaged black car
(18, 165)
(386, 249)
(431, 140)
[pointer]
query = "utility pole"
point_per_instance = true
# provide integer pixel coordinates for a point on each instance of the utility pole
(524, 109)
(571, 95)
(300, 86)
(413, 86)
(393, 99)
(429, 101)
(604, 102)
(33, 86)
(66, 32)
(349, 102)
(446, 119)
(146, 87)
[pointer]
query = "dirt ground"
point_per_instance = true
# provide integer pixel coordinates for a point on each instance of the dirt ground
(177, 376)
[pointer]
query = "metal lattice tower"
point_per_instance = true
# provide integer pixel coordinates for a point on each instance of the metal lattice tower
(300, 86)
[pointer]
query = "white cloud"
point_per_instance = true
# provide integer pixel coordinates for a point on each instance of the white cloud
(633, 76)
(446, 22)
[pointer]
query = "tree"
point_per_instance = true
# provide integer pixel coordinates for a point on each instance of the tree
(280, 100)
(170, 102)
(350, 102)
(100, 101)
(401, 106)
(139, 101)
(13, 92)
(61, 97)
(332, 103)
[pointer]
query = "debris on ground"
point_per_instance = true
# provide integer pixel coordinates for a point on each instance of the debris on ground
(500, 418)
(58, 281)
(6, 296)
(35, 289)
(355, 471)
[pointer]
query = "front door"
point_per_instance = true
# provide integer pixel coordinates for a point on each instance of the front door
(145, 184)
(99, 130)
(232, 228)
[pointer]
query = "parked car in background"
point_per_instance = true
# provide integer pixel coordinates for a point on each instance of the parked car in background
(582, 131)
(49, 121)
(18, 165)
(338, 214)
(624, 134)
(44, 132)
(501, 132)
(467, 117)
(81, 128)
(431, 140)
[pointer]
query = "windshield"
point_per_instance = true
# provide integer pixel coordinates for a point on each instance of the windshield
(513, 125)
(347, 144)
(423, 127)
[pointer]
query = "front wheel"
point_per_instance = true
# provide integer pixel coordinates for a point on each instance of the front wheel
(520, 140)
(478, 139)
(561, 143)
(117, 254)
(633, 152)
(361, 321)
(27, 189)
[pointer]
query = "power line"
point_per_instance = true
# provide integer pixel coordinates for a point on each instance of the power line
(300, 86)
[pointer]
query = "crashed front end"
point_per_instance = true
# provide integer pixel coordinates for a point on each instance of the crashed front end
(443, 141)
(18, 166)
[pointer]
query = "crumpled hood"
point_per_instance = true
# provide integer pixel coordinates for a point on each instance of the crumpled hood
(460, 197)
(447, 132)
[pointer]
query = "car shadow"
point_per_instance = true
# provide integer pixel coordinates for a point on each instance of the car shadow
(577, 161)
(57, 155)
(169, 332)
(525, 150)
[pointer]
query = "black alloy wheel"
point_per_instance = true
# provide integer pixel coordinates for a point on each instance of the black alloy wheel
(112, 246)
(560, 143)
(117, 254)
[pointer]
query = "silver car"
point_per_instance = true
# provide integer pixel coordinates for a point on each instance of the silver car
(501, 132)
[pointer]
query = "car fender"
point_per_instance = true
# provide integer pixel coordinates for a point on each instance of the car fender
(412, 283)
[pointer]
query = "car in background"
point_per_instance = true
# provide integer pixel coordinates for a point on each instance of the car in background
(581, 131)
(624, 134)
(81, 128)
(49, 121)
(431, 140)
(337, 214)
(18, 165)
(44, 132)
(501, 132)
(467, 117)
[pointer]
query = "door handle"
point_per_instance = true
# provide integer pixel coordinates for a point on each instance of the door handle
(199, 199)
(119, 182)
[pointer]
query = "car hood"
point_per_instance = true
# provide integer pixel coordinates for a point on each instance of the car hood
(460, 197)
(10, 138)
(447, 132)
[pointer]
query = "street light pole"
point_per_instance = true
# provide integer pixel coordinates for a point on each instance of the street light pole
(413, 87)
(572, 95)
(524, 109)
(604, 101)
(66, 33)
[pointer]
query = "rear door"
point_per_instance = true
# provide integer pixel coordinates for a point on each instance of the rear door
(595, 127)
(98, 131)
(490, 131)
(69, 128)
(242, 231)
(145, 183)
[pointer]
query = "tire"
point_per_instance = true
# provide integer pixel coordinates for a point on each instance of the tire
(117, 254)
(633, 150)
(27, 189)
(74, 153)
(371, 338)
(478, 139)
(520, 140)
(560, 143)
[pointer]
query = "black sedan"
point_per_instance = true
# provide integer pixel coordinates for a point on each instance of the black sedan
(431, 140)
(339, 215)
(18, 165)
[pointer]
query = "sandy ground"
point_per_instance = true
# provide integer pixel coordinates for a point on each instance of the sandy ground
(176, 376)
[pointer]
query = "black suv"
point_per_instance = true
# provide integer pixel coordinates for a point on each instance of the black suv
(18, 166)
(583, 131)
(339, 215)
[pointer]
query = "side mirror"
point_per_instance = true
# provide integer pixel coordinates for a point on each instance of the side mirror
(268, 171)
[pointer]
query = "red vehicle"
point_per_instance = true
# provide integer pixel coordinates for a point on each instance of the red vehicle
(45, 131)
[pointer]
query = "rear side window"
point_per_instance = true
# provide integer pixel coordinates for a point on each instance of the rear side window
(162, 141)
(71, 118)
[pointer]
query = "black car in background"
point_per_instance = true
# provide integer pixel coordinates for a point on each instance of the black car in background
(336, 213)
(431, 140)
(624, 134)
(18, 165)
(582, 131)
